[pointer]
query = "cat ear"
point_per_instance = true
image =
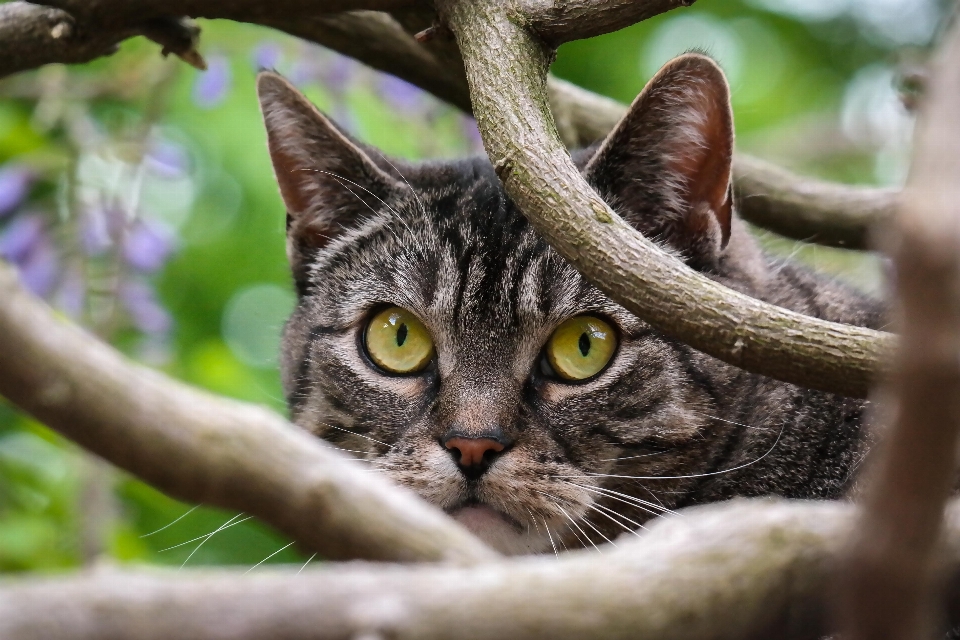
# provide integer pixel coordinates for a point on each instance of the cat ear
(327, 181)
(666, 166)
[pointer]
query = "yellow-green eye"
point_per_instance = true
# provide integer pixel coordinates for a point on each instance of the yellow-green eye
(398, 342)
(581, 347)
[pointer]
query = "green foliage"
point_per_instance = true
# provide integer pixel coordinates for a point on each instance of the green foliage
(792, 82)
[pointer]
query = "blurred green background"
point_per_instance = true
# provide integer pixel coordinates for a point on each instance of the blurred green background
(137, 196)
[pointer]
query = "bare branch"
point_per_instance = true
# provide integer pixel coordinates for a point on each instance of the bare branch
(810, 210)
(893, 553)
(378, 40)
(747, 569)
(559, 22)
(799, 208)
(33, 36)
(108, 13)
(510, 103)
(208, 449)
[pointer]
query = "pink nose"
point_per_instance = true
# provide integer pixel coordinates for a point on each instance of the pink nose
(472, 450)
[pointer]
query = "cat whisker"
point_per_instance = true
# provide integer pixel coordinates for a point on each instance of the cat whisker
(373, 218)
(423, 209)
(583, 543)
(599, 533)
(683, 477)
(620, 515)
(267, 558)
(633, 501)
(306, 563)
(357, 451)
(547, 527)
(391, 209)
(614, 520)
(645, 455)
(733, 422)
(147, 535)
(602, 494)
(323, 424)
(572, 521)
(225, 525)
(652, 495)
(229, 523)
(340, 178)
(534, 520)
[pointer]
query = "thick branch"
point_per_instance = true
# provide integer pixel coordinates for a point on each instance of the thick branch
(810, 210)
(108, 13)
(749, 569)
(510, 103)
(799, 208)
(737, 571)
(208, 449)
(380, 41)
(559, 22)
(892, 555)
(33, 36)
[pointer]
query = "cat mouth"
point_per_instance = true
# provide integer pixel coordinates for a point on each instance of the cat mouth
(497, 529)
(480, 517)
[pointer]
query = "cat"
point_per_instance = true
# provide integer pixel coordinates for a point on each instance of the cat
(438, 337)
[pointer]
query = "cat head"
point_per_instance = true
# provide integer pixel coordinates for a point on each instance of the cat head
(438, 337)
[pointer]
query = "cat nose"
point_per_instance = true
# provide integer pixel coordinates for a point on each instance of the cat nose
(473, 455)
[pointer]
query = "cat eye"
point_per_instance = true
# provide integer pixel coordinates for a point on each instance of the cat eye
(580, 347)
(398, 342)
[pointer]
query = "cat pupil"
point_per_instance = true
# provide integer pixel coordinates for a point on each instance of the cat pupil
(401, 335)
(584, 344)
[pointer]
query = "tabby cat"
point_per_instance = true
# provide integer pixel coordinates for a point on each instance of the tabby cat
(438, 337)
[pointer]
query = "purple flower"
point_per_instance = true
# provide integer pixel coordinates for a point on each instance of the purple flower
(14, 186)
(212, 85)
(147, 245)
(400, 94)
(472, 134)
(144, 309)
(39, 269)
(20, 237)
(343, 116)
(267, 56)
(167, 160)
(338, 73)
(95, 232)
(71, 295)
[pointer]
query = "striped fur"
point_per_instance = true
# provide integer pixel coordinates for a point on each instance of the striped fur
(663, 427)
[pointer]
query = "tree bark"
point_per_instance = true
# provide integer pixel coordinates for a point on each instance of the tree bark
(894, 554)
(748, 569)
(510, 103)
(211, 450)
(797, 207)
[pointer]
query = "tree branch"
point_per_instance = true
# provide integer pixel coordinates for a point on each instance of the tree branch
(799, 208)
(559, 22)
(207, 449)
(893, 554)
(378, 40)
(747, 569)
(509, 100)
(810, 210)
(33, 35)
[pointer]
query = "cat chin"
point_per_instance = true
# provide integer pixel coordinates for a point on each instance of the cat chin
(498, 531)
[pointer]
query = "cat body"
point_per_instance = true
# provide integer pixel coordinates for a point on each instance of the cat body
(487, 425)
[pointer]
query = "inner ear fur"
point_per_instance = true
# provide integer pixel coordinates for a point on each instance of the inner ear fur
(327, 181)
(666, 167)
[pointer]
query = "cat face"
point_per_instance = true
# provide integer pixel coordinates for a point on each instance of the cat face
(439, 338)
